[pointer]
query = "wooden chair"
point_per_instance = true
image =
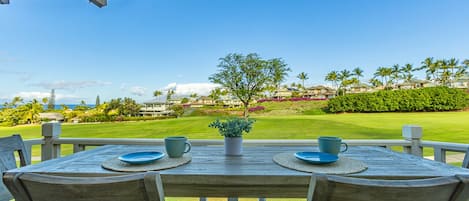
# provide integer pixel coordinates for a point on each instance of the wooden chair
(38, 187)
(8, 146)
(465, 163)
(337, 188)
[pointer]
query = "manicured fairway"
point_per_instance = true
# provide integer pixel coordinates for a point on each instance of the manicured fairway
(443, 126)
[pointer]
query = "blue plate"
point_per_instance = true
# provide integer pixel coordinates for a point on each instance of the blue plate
(141, 157)
(316, 157)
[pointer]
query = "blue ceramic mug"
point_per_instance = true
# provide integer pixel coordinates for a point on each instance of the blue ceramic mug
(176, 146)
(331, 145)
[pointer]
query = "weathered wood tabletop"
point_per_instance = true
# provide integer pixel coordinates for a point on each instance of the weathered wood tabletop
(212, 174)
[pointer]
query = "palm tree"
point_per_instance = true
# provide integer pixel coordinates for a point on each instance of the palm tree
(462, 70)
(280, 72)
(395, 74)
(170, 93)
(430, 68)
(343, 77)
(358, 73)
(34, 109)
(384, 73)
(466, 62)
(157, 93)
(303, 76)
(453, 64)
(444, 74)
(16, 100)
(406, 70)
(375, 82)
(333, 77)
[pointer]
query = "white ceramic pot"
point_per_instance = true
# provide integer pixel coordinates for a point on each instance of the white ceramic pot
(233, 146)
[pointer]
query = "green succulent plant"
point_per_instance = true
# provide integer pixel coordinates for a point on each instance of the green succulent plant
(233, 127)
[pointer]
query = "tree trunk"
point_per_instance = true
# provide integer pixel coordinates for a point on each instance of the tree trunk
(246, 110)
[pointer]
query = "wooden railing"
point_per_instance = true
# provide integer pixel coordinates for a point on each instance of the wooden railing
(412, 143)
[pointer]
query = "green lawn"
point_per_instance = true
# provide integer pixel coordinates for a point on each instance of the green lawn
(442, 126)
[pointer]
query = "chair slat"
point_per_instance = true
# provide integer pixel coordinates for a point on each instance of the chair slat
(39, 187)
(338, 188)
(8, 146)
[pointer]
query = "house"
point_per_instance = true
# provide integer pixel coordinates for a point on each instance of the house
(320, 92)
(51, 116)
(155, 109)
(415, 84)
(360, 88)
(231, 102)
(284, 92)
(462, 82)
(203, 101)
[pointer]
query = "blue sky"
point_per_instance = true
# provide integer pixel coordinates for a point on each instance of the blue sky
(131, 48)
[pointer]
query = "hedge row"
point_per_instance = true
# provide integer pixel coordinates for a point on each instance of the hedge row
(412, 100)
(106, 118)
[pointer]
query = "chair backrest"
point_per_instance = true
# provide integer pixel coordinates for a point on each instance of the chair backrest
(338, 188)
(38, 187)
(465, 162)
(8, 146)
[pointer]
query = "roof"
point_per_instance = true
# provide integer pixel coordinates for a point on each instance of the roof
(51, 115)
(319, 87)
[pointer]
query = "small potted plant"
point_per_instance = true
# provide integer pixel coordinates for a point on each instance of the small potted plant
(232, 129)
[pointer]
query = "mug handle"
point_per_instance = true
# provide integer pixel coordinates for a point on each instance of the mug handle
(188, 147)
(346, 147)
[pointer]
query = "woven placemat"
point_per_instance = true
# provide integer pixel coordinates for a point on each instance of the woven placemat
(165, 163)
(343, 166)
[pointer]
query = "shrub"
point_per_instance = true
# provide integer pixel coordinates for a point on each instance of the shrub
(257, 108)
(415, 100)
(290, 99)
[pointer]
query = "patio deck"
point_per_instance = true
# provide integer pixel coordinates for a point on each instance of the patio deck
(411, 144)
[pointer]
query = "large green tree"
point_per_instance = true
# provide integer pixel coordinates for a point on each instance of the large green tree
(244, 76)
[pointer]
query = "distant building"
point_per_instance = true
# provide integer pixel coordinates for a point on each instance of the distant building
(155, 109)
(231, 102)
(203, 101)
(284, 92)
(51, 116)
(462, 82)
(319, 92)
(415, 84)
(360, 88)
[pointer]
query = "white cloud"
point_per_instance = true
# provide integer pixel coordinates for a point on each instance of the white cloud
(137, 90)
(190, 88)
(71, 85)
(39, 95)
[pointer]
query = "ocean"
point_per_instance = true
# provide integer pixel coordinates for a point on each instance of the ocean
(59, 106)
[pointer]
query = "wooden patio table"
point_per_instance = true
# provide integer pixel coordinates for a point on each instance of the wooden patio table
(212, 174)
